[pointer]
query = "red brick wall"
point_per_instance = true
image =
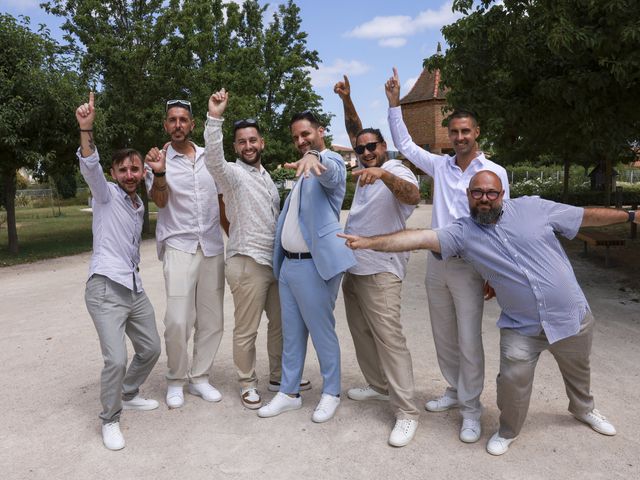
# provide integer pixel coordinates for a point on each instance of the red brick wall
(424, 122)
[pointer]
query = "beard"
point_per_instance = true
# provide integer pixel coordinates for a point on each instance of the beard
(486, 218)
(253, 162)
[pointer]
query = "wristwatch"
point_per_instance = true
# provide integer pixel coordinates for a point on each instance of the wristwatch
(316, 153)
(159, 174)
(632, 216)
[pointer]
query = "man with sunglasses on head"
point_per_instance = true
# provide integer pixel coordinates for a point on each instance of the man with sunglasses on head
(190, 245)
(454, 288)
(308, 263)
(385, 197)
(252, 205)
(513, 245)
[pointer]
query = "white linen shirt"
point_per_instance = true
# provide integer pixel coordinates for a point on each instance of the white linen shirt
(449, 181)
(191, 216)
(376, 211)
(116, 227)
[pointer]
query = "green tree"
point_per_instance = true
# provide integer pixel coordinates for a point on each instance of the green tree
(554, 77)
(36, 87)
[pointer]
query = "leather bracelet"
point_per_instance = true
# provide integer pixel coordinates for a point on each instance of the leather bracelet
(316, 153)
(86, 130)
(159, 174)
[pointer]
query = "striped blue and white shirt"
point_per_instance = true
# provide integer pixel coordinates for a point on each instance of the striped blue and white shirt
(524, 262)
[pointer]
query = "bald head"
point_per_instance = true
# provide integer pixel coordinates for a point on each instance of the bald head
(487, 179)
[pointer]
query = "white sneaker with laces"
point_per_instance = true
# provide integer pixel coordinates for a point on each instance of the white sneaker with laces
(279, 404)
(441, 404)
(205, 390)
(250, 398)
(498, 445)
(598, 422)
(139, 403)
(365, 393)
(326, 408)
(112, 436)
(403, 432)
(470, 431)
(175, 396)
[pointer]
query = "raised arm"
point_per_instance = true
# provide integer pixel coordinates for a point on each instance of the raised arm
(402, 241)
(156, 159)
(405, 191)
(89, 161)
(351, 119)
(600, 217)
(214, 159)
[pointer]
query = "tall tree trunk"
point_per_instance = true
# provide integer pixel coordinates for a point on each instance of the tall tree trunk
(9, 180)
(608, 176)
(565, 181)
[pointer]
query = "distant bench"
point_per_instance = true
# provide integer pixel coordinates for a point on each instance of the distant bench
(600, 239)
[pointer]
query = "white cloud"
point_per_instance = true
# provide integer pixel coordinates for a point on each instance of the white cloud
(391, 30)
(409, 83)
(328, 75)
(393, 42)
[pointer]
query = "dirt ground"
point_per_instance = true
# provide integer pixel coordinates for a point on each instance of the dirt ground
(50, 356)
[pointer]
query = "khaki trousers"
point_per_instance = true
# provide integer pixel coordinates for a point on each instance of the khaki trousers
(456, 301)
(195, 292)
(518, 358)
(372, 304)
(254, 290)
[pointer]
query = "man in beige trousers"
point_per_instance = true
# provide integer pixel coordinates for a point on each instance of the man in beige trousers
(252, 205)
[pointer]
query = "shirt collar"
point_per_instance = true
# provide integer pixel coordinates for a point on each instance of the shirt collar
(251, 168)
(172, 153)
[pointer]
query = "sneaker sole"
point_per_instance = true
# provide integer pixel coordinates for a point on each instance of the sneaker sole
(287, 409)
(142, 408)
(382, 398)
(596, 429)
(440, 409)
(198, 394)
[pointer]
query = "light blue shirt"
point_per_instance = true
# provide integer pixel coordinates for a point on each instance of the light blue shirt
(524, 262)
(117, 225)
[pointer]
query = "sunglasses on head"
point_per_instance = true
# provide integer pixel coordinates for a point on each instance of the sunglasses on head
(371, 146)
(491, 195)
(244, 123)
(179, 103)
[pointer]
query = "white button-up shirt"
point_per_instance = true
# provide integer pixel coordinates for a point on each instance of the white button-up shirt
(116, 226)
(449, 181)
(191, 216)
(376, 211)
(251, 199)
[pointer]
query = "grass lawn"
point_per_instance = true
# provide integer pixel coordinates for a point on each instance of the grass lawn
(46, 233)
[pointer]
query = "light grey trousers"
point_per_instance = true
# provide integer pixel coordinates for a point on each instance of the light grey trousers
(518, 358)
(456, 301)
(117, 311)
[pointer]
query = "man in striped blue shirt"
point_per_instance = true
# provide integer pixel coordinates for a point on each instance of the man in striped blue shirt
(512, 244)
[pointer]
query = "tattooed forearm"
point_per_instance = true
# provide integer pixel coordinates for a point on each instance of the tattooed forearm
(92, 145)
(351, 120)
(405, 192)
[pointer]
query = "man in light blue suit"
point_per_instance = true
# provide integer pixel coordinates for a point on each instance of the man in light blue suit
(308, 261)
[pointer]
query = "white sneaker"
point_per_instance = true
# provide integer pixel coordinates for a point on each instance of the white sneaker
(441, 404)
(279, 404)
(470, 430)
(403, 432)
(598, 422)
(304, 385)
(326, 408)
(175, 396)
(250, 398)
(365, 393)
(139, 403)
(112, 436)
(498, 445)
(205, 390)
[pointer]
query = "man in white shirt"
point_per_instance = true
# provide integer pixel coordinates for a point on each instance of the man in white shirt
(385, 196)
(114, 296)
(190, 245)
(454, 288)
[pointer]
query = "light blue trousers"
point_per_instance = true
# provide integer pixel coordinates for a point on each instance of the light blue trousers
(307, 302)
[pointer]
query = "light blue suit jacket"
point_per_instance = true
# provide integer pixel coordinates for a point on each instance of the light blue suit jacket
(320, 203)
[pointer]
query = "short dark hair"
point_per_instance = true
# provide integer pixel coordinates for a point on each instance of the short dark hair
(245, 123)
(374, 131)
(463, 113)
(121, 155)
(306, 115)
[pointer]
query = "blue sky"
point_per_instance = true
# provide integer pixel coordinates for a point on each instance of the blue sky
(363, 39)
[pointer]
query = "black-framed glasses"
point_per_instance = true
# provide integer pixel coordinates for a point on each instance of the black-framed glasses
(371, 146)
(186, 104)
(491, 195)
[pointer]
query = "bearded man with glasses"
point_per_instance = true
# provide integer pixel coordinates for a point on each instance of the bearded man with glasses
(454, 288)
(385, 197)
(190, 244)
